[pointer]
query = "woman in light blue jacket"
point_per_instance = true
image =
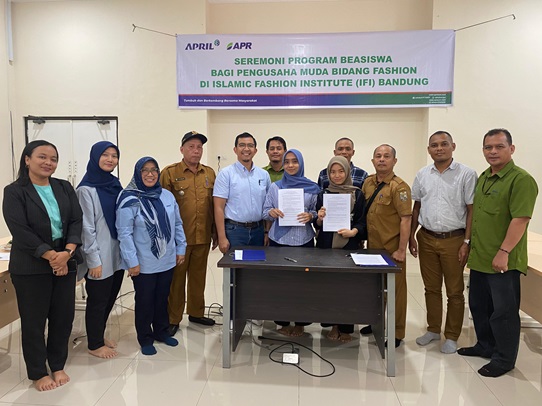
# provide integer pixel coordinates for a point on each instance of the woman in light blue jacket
(152, 242)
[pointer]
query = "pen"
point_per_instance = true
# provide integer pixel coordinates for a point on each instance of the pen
(290, 259)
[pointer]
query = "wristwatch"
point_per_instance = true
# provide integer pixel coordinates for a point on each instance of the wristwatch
(466, 241)
(69, 251)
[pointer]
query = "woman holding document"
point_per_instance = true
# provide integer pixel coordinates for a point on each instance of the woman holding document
(348, 237)
(290, 206)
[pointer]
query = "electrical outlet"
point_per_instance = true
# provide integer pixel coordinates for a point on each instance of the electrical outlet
(290, 358)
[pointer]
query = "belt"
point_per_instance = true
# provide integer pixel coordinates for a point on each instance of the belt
(246, 224)
(447, 234)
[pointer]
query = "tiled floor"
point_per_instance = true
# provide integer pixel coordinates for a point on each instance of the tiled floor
(192, 373)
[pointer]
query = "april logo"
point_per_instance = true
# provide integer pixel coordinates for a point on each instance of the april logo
(202, 46)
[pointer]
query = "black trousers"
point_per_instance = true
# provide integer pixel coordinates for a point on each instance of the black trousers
(101, 297)
(151, 295)
(494, 301)
(45, 298)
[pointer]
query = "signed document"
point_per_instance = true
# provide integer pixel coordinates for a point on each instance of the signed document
(291, 203)
(337, 211)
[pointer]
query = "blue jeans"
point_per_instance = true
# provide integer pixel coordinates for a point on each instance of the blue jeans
(239, 235)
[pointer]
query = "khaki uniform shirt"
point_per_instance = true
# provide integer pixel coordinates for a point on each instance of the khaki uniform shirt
(194, 195)
(384, 216)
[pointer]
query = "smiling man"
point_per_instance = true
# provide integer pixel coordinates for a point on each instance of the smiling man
(504, 201)
(239, 195)
(443, 193)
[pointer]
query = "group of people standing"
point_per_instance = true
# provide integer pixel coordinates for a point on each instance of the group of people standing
(481, 223)
(98, 231)
(457, 219)
(160, 228)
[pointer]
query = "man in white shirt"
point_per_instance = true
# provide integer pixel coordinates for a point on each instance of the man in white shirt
(443, 195)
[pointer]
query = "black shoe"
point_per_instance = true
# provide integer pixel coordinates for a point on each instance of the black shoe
(472, 352)
(492, 371)
(397, 343)
(206, 321)
(172, 329)
(366, 330)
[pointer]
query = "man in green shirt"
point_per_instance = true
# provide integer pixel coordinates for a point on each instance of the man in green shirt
(504, 201)
(275, 147)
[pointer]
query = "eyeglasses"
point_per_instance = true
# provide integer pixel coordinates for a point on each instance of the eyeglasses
(242, 146)
(149, 170)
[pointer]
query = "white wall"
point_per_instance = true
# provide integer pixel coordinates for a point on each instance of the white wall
(5, 150)
(81, 58)
(497, 81)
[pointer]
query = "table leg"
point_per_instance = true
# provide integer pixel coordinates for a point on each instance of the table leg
(390, 326)
(226, 318)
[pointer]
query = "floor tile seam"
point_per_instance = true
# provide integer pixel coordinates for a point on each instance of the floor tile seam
(391, 379)
(114, 381)
(484, 382)
(13, 387)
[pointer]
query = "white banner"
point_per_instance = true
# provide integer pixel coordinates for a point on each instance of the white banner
(374, 69)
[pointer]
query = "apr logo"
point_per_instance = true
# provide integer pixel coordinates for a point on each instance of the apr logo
(239, 45)
(202, 46)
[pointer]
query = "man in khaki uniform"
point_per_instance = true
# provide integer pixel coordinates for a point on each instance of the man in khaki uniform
(192, 185)
(388, 224)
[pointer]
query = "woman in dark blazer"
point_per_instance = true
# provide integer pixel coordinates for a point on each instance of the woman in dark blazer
(45, 221)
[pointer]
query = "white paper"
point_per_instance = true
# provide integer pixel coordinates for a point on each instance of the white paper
(368, 259)
(4, 256)
(337, 211)
(291, 203)
(238, 255)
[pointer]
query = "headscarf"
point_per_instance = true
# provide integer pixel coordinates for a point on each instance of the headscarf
(153, 211)
(106, 184)
(297, 181)
(345, 187)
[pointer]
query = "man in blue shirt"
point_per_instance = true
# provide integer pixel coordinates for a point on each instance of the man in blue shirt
(239, 194)
(344, 147)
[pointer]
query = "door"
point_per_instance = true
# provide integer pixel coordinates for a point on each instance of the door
(73, 137)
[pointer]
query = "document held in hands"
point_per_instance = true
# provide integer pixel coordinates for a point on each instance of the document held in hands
(291, 203)
(337, 211)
